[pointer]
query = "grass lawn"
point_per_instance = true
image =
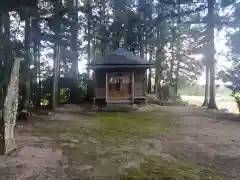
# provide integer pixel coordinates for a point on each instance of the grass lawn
(109, 144)
(227, 103)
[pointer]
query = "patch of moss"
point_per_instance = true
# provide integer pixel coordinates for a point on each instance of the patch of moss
(53, 128)
(207, 174)
(165, 170)
(160, 169)
(77, 153)
(136, 124)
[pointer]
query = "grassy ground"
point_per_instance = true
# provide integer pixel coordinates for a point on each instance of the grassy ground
(119, 144)
(227, 103)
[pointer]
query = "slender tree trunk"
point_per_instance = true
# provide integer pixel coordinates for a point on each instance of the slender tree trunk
(26, 65)
(5, 56)
(2, 124)
(36, 51)
(156, 78)
(177, 78)
(5, 53)
(55, 92)
(150, 72)
(160, 58)
(125, 32)
(6, 50)
(56, 68)
(74, 37)
(211, 54)
(158, 75)
(178, 49)
(141, 51)
(89, 17)
(35, 74)
(39, 88)
(104, 20)
(1, 65)
(36, 56)
(206, 96)
(94, 42)
(172, 60)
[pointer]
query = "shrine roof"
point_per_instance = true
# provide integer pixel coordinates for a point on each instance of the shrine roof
(120, 57)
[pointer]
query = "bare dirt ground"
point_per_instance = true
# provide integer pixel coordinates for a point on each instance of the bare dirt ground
(208, 138)
(169, 143)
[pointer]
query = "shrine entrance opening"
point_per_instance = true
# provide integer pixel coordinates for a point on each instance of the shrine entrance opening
(119, 86)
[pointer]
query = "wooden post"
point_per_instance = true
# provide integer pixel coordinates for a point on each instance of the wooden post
(133, 88)
(106, 88)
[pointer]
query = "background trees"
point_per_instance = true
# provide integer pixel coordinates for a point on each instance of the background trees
(176, 35)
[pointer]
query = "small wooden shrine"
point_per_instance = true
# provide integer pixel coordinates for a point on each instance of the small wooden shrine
(119, 77)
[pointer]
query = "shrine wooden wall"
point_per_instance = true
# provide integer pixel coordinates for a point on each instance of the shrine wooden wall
(139, 84)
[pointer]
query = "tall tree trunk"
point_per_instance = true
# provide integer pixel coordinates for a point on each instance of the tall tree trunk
(1, 64)
(6, 59)
(103, 20)
(36, 55)
(126, 32)
(150, 71)
(211, 54)
(5, 68)
(178, 55)
(39, 77)
(56, 67)
(26, 65)
(35, 73)
(158, 75)
(206, 96)
(74, 37)
(160, 59)
(2, 124)
(170, 76)
(9, 88)
(94, 43)
(177, 78)
(5, 56)
(55, 92)
(89, 17)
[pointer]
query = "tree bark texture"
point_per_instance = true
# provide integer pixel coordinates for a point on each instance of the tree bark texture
(206, 96)
(26, 66)
(211, 55)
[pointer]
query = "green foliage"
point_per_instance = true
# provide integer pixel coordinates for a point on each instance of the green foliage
(64, 95)
(236, 96)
